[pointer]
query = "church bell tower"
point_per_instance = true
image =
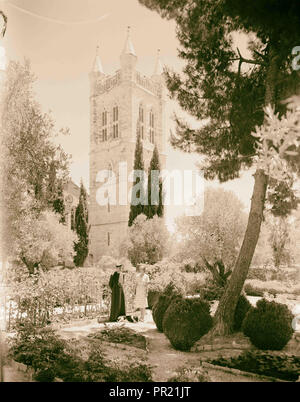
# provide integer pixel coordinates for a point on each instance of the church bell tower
(119, 105)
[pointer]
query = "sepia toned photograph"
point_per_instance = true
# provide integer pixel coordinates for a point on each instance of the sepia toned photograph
(149, 193)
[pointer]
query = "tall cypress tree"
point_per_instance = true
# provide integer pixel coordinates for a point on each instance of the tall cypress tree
(54, 192)
(155, 188)
(59, 203)
(138, 196)
(81, 228)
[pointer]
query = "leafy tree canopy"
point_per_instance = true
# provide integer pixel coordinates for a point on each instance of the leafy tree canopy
(220, 83)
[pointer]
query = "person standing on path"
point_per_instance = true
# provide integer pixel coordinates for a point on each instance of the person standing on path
(141, 291)
(116, 283)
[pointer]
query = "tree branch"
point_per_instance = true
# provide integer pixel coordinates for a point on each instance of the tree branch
(249, 61)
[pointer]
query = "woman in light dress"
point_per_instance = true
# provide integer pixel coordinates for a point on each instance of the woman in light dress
(141, 291)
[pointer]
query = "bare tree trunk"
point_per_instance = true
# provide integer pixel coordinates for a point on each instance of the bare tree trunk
(223, 320)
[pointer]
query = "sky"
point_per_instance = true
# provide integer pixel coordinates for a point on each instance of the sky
(61, 49)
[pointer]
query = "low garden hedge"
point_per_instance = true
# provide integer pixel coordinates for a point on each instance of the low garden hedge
(186, 321)
(268, 325)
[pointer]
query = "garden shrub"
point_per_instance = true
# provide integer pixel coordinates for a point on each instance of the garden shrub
(121, 334)
(268, 325)
(42, 350)
(242, 308)
(159, 309)
(186, 321)
(153, 296)
(264, 363)
(78, 292)
(52, 357)
(165, 272)
(173, 290)
(170, 293)
(97, 369)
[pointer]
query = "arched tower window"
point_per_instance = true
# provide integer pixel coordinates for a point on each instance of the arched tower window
(115, 122)
(151, 127)
(104, 125)
(141, 121)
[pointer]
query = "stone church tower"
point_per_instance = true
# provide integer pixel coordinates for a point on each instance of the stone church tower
(121, 105)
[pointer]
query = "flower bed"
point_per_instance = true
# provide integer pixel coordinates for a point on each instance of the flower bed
(121, 335)
(50, 358)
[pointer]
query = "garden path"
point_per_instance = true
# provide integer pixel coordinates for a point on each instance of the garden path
(161, 356)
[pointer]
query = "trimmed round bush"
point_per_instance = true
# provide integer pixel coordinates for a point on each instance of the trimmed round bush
(165, 298)
(186, 321)
(45, 375)
(159, 309)
(268, 325)
(153, 297)
(242, 308)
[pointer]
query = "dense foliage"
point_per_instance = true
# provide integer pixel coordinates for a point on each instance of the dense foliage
(147, 240)
(231, 89)
(274, 365)
(170, 293)
(159, 309)
(217, 233)
(138, 191)
(43, 242)
(81, 228)
(61, 294)
(154, 188)
(219, 82)
(186, 321)
(268, 325)
(167, 272)
(33, 167)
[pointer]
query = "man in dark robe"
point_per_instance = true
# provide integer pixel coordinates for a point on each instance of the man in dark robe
(116, 283)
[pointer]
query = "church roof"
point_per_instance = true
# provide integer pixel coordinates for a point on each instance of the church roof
(128, 47)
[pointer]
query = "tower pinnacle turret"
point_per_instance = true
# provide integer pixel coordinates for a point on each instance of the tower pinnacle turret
(128, 56)
(128, 47)
(97, 74)
(97, 66)
(158, 70)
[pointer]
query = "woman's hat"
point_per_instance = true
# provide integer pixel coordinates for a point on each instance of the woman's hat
(118, 265)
